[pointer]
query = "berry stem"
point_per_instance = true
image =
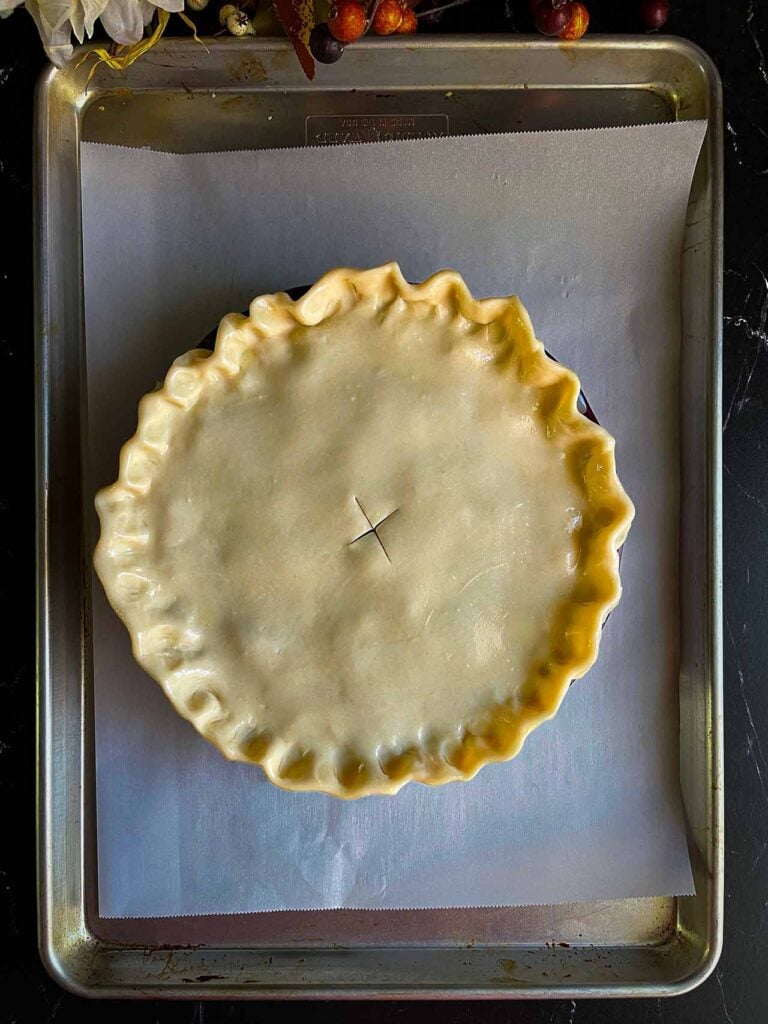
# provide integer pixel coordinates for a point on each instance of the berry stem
(371, 12)
(436, 10)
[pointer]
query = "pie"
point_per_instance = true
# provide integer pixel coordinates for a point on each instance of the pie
(369, 539)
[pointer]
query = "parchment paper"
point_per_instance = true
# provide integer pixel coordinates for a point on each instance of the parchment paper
(587, 227)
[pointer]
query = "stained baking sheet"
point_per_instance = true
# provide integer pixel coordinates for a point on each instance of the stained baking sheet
(591, 809)
(529, 85)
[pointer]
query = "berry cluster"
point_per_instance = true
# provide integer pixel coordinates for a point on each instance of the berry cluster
(569, 20)
(349, 20)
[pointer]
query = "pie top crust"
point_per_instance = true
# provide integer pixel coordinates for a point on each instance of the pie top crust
(368, 539)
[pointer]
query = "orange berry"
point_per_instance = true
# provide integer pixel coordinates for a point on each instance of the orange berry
(346, 21)
(388, 16)
(409, 24)
(578, 24)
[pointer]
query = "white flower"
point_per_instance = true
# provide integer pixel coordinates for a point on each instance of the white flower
(56, 20)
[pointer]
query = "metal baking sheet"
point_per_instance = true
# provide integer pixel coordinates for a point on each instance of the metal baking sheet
(251, 93)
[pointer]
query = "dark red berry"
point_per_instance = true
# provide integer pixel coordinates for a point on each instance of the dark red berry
(323, 46)
(654, 13)
(551, 20)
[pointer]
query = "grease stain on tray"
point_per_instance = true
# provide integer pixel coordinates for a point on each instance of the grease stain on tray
(247, 69)
(508, 977)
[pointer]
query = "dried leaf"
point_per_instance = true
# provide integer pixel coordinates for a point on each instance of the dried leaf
(298, 19)
(123, 57)
(190, 24)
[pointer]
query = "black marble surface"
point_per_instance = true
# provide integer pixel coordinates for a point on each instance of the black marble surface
(736, 35)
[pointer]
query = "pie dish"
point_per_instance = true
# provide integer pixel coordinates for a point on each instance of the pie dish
(369, 539)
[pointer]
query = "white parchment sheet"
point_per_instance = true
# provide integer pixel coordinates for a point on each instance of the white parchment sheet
(587, 227)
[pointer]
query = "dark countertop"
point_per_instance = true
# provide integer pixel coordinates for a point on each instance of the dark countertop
(736, 36)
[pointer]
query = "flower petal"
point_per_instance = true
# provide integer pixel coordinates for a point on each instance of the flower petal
(123, 21)
(55, 14)
(92, 9)
(78, 23)
(170, 5)
(7, 6)
(56, 41)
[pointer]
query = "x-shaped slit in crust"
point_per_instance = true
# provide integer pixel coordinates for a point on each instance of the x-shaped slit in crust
(373, 528)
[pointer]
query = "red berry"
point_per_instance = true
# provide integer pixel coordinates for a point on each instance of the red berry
(387, 18)
(409, 24)
(551, 20)
(654, 13)
(578, 24)
(346, 21)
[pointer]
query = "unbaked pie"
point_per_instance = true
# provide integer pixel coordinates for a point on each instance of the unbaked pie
(368, 539)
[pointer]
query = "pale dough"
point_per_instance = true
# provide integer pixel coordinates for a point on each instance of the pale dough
(238, 544)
